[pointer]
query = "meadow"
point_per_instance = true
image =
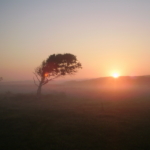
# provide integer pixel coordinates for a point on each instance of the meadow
(77, 118)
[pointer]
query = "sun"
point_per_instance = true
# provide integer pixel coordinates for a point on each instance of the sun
(115, 75)
(46, 74)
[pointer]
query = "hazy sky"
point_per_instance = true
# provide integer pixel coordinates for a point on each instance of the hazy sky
(105, 35)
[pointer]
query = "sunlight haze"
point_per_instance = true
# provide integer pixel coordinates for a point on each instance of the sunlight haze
(104, 35)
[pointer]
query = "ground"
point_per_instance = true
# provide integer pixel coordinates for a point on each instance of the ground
(110, 121)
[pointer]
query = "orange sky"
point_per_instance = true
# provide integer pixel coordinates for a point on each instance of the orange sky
(106, 36)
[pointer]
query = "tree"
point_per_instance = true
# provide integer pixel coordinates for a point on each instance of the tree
(1, 78)
(55, 66)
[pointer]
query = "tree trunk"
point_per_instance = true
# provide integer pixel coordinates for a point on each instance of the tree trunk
(39, 90)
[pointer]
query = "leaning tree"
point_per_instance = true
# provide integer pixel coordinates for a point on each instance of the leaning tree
(55, 66)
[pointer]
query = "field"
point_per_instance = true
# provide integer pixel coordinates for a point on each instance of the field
(86, 119)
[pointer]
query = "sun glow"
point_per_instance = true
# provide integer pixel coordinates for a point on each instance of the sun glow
(46, 74)
(115, 75)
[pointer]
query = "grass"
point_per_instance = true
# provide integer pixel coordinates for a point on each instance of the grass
(110, 121)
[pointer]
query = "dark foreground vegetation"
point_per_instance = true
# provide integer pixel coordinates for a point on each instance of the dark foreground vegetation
(114, 120)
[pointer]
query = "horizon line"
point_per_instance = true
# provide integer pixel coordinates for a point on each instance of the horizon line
(59, 80)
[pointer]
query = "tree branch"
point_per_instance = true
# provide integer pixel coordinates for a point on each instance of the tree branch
(51, 79)
(35, 82)
(36, 76)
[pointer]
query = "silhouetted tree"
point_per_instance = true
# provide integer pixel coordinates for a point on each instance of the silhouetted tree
(1, 78)
(54, 66)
